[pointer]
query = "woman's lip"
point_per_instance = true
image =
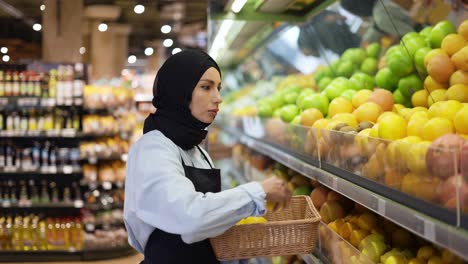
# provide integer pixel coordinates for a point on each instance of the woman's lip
(214, 111)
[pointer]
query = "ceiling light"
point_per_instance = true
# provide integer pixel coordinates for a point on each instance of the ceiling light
(37, 27)
(42, 7)
(6, 58)
(238, 5)
(149, 51)
(176, 50)
(132, 59)
(4, 50)
(168, 43)
(139, 9)
(166, 29)
(82, 50)
(102, 27)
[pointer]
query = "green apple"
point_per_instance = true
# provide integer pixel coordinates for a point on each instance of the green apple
(386, 80)
(319, 75)
(290, 97)
(370, 66)
(324, 82)
(361, 81)
(302, 190)
(373, 50)
(318, 101)
(296, 120)
(336, 87)
(264, 110)
(276, 101)
(345, 68)
(355, 55)
(289, 112)
(399, 61)
(398, 98)
(426, 32)
(348, 94)
(412, 44)
(303, 94)
(277, 113)
(409, 35)
(409, 85)
(438, 33)
(419, 60)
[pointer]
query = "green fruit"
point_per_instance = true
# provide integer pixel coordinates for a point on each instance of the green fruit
(439, 32)
(348, 94)
(276, 101)
(345, 69)
(296, 120)
(369, 66)
(409, 35)
(399, 61)
(277, 113)
(320, 75)
(409, 85)
(289, 112)
(398, 98)
(355, 55)
(303, 94)
(386, 80)
(426, 32)
(414, 43)
(336, 87)
(264, 110)
(419, 60)
(290, 97)
(361, 81)
(317, 101)
(324, 82)
(302, 190)
(373, 50)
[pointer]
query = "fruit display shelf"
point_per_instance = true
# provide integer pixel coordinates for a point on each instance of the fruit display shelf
(391, 204)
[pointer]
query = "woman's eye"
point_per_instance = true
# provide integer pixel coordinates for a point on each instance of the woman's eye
(205, 87)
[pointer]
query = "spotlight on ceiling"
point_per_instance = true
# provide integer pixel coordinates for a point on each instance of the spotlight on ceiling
(132, 59)
(4, 50)
(42, 7)
(168, 43)
(6, 58)
(37, 27)
(176, 50)
(82, 50)
(238, 5)
(166, 29)
(102, 27)
(149, 51)
(139, 9)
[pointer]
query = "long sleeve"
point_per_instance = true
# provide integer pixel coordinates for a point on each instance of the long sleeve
(158, 195)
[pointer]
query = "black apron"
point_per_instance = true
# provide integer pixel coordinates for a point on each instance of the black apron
(166, 248)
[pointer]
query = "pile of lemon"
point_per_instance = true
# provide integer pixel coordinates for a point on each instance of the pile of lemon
(252, 220)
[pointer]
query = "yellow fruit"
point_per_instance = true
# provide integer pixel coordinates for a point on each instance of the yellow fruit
(396, 107)
(436, 127)
(419, 98)
(385, 114)
(405, 112)
(415, 125)
(434, 260)
(414, 110)
(319, 125)
(360, 97)
(458, 92)
(253, 220)
(346, 118)
(339, 105)
(392, 127)
(367, 221)
(453, 43)
(309, 116)
(358, 235)
(460, 121)
(426, 252)
(402, 238)
(446, 109)
(335, 225)
(440, 68)
(459, 77)
(431, 85)
(374, 131)
(431, 54)
(437, 96)
(463, 30)
(416, 157)
(368, 112)
(420, 114)
(416, 261)
(460, 59)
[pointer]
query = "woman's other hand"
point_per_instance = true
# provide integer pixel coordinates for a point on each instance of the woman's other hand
(276, 190)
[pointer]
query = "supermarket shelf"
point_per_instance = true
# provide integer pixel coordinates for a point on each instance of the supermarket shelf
(104, 207)
(96, 159)
(107, 253)
(107, 185)
(59, 205)
(63, 170)
(66, 134)
(97, 111)
(16, 102)
(423, 225)
(91, 227)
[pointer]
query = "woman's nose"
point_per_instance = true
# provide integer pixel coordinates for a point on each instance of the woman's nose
(217, 98)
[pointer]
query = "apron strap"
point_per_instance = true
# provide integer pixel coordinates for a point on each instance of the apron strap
(206, 158)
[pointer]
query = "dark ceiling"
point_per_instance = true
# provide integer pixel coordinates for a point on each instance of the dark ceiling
(188, 19)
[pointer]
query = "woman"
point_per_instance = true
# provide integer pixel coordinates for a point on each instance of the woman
(173, 198)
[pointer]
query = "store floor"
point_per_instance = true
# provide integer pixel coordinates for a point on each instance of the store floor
(134, 259)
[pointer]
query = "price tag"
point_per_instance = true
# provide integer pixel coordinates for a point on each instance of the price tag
(381, 206)
(67, 169)
(429, 230)
(78, 204)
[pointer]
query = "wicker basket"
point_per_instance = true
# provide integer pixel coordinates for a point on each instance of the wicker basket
(291, 231)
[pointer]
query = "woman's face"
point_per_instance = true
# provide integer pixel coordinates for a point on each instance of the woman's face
(206, 96)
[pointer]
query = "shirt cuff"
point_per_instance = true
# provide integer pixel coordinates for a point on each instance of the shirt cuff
(258, 196)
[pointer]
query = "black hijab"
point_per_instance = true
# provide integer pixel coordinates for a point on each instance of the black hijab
(172, 93)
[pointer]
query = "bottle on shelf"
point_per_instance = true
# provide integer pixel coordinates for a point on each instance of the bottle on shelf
(79, 82)
(55, 195)
(32, 121)
(17, 234)
(27, 234)
(24, 120)
(45, 198)
(35, 199)
(8, 84)
(53, 83)
(24, 197)
(37, 85)
(44, 82)
(30, 84)
(23, 84)
(15, 84)
(2, 84)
